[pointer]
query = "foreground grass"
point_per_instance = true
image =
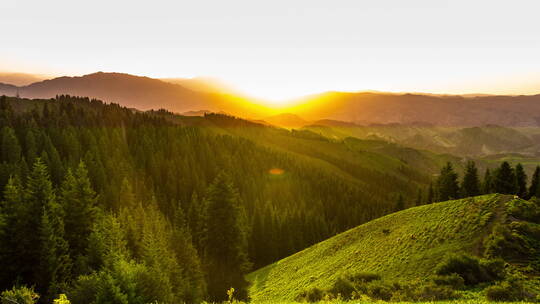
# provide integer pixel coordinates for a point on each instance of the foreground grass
(384, 302)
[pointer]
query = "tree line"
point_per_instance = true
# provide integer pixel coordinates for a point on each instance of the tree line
(504, 179)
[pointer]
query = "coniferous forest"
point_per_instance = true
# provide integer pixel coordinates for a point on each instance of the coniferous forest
(107, 204)
(269, 152)
(102, 202)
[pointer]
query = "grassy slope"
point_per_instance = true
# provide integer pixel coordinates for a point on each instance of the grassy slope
(418, 239)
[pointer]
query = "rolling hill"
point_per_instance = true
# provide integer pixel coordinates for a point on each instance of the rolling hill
(463, 141)
(406, 245)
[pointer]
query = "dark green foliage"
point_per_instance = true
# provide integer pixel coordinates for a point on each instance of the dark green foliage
(419, 198)
(525, 210)
(353, 287)
(136, 156)
(343, 287)
(11, 149)
(508, 291)
(487, 185)
(78, 200)
(425, 291)
(430, 195)
(535, 180)
(521, 181)
(363, 277)
(470, 185)
(225, 241)
(19, 295)
(311, 295)
(453, 280)
(13, 213)
(447, 184)
(472, 270)
(55, 263)
(504, 179)
(519, 240)
(400, 203)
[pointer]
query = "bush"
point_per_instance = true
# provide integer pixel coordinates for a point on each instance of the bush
(363, 277)
(20, 295)
(344, 287)
(493, 269)
(508, 291)
(311, 295)
(452, 280)
(356, 286)
(525, 210)
(471, 269)
(380, 291)
(432, 292)
(423, 291)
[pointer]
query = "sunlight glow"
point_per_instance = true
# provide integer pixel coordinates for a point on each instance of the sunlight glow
(277, 51)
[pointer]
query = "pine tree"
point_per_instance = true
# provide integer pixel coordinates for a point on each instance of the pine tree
(78, 200)
(471, 184)
(505, 179)
(447, 184)
(55, 263)
(521, 181)
(11, 150)
(38, 197)
(419, 197)
(535, 179)
(225, 242)
(186, 255)
(127, 197)
(14, 222)
(487, 185)
(430, 195)
(400, 203)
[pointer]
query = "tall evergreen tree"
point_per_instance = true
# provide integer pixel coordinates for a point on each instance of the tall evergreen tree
(504, 180)
(225, 241)
(535, 179)
(419, 198)
(55, 263)
(430, 195)
(487, 184)
(12, 231)
(400, 203)
(38, 196)
(521, 181)
(78, 200)
(471, 183)
(447, 184)
(11, 150)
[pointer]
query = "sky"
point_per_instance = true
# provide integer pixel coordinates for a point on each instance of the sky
(281, 49)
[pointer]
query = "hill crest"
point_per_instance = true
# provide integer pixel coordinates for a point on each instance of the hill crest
(402, 245)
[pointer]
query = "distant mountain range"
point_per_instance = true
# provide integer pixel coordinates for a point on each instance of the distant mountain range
(440, 110)
(142, 93)
(197, 95)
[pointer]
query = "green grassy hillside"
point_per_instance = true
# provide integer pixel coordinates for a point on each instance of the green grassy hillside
(406, 245)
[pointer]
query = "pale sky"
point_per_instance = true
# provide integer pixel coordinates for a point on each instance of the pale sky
(284, 48)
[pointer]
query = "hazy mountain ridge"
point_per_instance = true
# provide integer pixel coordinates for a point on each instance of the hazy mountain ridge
(368, 108)
(143, 93)
(183, 95)
(464, 141)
